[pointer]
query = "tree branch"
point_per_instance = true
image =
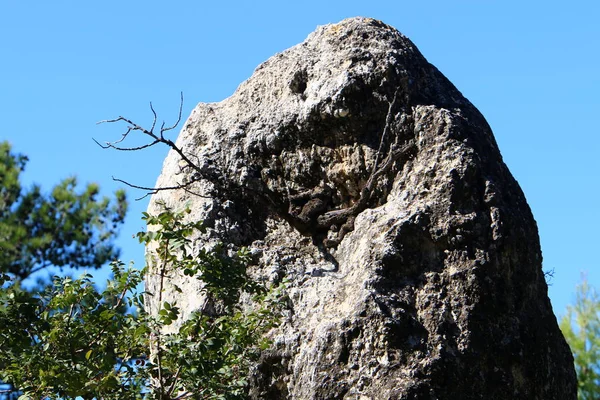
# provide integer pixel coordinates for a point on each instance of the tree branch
(112, 146)
(154, 190)
(330, 218)
(162, 130)
(156, 138)
(174, 383)
(388, 120)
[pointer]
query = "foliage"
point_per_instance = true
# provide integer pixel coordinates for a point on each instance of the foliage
(63, 228)
(73, 341)
(212, 351)
(581, 327)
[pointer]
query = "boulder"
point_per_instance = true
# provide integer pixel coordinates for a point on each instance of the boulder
(353, 168)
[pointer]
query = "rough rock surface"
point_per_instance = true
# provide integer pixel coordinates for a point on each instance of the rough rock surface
(351, 166)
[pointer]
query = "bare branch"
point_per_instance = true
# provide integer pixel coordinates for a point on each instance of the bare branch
(111, 145)
(346, 216)
(107, 121)
(132, 127)
(157, 138)
(154, 190)
(162, 129)
(196, 194)
(154, 120)
(388, 120)
(178, 118)
(123, 136)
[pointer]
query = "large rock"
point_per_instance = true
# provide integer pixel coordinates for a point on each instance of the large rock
(351, 166)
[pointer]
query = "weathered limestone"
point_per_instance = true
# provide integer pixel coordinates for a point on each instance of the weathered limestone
(353, 167)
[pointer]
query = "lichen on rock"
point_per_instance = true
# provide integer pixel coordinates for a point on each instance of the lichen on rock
(352, 167)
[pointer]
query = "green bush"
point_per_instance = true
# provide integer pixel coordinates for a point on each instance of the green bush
(74, 341)
(581, 327)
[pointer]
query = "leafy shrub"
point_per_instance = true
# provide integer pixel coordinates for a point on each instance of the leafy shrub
(74, 341)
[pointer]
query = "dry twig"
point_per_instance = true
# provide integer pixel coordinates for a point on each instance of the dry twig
(157, 137)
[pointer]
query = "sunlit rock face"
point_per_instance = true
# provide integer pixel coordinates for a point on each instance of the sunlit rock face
(352, 167)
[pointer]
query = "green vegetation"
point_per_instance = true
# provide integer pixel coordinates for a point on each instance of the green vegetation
(211, 353)
(581, 327)
(72, 340)
(69, 340)
(61, 229)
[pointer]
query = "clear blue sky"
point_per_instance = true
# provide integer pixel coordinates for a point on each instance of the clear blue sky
(531, 67)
